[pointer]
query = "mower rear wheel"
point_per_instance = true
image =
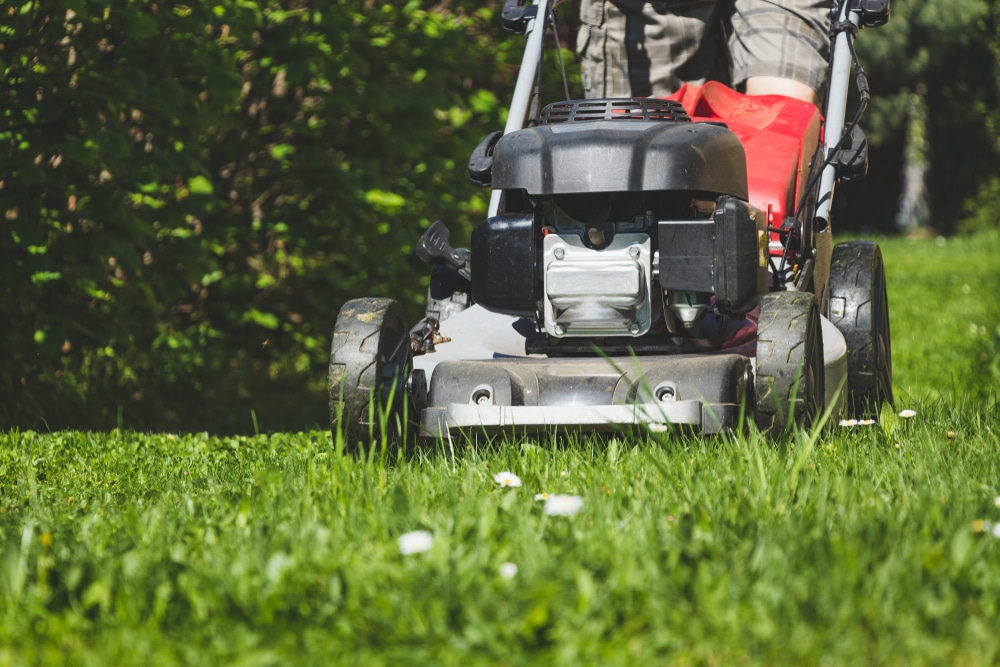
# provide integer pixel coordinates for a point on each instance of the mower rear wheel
(789, 362)
(859, 307)
(370, 361)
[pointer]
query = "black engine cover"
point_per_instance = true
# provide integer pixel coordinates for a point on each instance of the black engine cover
(621, 156)
(726, 255)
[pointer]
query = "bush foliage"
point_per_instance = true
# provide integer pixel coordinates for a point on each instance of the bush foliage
(936, 62)
(191, 191)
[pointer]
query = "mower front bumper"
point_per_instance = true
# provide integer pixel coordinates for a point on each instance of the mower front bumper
(706, 393)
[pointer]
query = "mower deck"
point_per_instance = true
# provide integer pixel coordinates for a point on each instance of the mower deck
(481, 380)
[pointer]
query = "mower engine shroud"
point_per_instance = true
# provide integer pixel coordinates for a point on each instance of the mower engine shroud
(633, 145)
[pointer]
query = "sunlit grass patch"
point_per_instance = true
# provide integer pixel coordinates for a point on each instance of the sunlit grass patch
(945, 315)
(867, 543)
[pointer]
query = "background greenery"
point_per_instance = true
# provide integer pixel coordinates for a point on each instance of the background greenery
(864, 545)
(190, 192)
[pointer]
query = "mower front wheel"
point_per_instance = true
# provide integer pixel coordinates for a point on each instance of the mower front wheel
(370, 362)
(789, 362)
(859, 307)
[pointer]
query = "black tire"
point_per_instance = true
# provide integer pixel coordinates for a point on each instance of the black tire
(859, 307)
(370, 361)
(789, 365)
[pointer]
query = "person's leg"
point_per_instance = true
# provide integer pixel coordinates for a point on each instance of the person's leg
(776, 85)
(601, 46)
(781, 47)
(650, 47)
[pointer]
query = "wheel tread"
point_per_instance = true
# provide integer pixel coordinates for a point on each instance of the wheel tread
(857, 281)
(356, 355)
(786, 321)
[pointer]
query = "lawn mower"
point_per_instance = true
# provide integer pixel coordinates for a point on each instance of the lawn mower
(645, 263)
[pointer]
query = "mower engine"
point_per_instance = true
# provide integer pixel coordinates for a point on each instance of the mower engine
(591, 292)
(620, 218)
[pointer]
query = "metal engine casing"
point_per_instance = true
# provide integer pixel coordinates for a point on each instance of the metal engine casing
(590, 292)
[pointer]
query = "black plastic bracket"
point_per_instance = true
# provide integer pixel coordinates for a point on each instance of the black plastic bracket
(516, 15)
(481, 161)
(852, 160)
(873, 13)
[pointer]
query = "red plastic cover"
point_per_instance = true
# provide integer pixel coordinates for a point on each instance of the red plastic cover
(779, 135)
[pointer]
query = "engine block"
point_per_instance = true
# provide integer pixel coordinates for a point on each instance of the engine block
(590, 292)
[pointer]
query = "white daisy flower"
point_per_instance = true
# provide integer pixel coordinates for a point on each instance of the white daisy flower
(996, 501)
(508, 570)
(857, 422)
(562, 505)
(541, 496)
(415, 542)
(506, 478)
(996, 530)
(907, 414)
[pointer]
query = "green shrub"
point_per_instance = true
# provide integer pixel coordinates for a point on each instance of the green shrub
(191, 191)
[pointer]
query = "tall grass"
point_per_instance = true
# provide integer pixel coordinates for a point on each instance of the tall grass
(851, 546)
(944, 297)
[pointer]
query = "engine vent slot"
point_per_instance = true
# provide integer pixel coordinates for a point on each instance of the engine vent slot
(645, 108)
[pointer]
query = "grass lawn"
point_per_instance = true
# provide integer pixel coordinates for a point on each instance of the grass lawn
(864, 545)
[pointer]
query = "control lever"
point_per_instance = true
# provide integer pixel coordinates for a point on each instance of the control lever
(425, 335)
(434, 249)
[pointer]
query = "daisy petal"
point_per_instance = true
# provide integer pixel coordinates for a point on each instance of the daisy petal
(415, 542)
(561, 505)
(507, 478)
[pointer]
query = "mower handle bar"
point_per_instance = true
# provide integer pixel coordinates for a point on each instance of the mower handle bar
(525, 78)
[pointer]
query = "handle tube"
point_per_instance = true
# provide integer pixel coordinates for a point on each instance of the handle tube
(525, 80)
(836, 108)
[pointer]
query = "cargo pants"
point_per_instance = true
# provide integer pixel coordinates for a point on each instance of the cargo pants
(641, 48)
